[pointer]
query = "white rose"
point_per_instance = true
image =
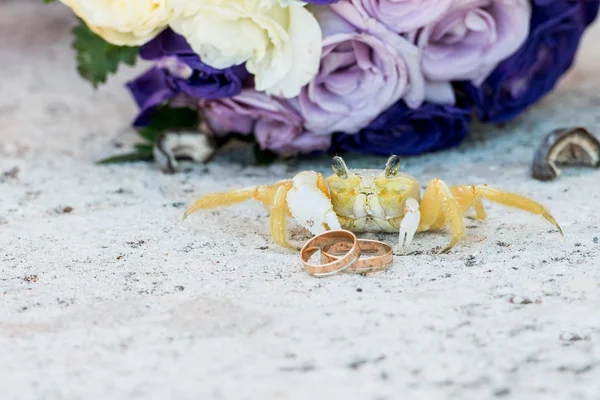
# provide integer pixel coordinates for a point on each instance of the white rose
(280, 44)
(125, 22)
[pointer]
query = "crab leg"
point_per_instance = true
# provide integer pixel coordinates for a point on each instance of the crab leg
(273, 197)
(221, 199)
(468, 198)
(479, 209)
(438, 209)
(279, 214)
(470, 195)
(264, 194)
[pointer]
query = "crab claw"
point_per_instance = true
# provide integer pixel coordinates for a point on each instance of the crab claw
(410, 222)
(309, 206)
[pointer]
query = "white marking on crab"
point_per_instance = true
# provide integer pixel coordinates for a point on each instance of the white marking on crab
(360, 207)
(410, 222)
(375, 208)
(309, 206)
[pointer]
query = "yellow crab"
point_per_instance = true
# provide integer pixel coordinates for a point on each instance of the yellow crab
(370, 201)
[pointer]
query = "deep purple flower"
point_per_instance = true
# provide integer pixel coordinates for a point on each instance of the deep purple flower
(533, 71)
(179, 70)
(150, 90)
(404, 131)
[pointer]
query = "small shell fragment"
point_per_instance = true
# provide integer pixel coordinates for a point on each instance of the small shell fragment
(173, 146)
(565, 147)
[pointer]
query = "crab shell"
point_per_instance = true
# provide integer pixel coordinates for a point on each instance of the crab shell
(362, 200)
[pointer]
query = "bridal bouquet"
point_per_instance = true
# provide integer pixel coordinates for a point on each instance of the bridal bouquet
(372, 76)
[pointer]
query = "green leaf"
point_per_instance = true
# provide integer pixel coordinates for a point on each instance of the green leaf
(148, 133)
(129, 157)
(166, 117)
(48, 1)
(222, 141)
(143, 148)
(96, 58)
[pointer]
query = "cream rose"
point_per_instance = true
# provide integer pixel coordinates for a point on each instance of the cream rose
(125, 22)
(280, 44)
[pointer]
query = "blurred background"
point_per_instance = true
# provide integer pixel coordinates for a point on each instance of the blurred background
(105, 294)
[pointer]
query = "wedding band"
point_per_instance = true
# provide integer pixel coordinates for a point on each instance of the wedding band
(334, 266)
(381, 255)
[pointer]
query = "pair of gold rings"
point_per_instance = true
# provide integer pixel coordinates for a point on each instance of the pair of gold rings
(341, 252)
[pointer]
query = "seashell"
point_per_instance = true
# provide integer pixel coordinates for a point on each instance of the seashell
(171, 147)
(565, 147)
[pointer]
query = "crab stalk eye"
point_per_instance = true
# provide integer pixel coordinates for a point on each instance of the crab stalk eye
(339, 167)
(392, 166)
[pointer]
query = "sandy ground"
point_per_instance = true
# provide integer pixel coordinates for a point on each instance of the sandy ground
(117, 299)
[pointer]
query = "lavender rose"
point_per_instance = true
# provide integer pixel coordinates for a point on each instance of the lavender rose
(401, 130)
(276, 126)
(532, 72)
(365, 68)
(179, 71)
(321, 2)
(404, 16)
(471, 38)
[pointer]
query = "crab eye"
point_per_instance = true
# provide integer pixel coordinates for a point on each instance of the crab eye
(392, 166)
(339, 167)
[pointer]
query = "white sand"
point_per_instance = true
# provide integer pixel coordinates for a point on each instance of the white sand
(132, 304)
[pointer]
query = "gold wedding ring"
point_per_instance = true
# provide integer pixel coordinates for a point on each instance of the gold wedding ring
(337, 264)
(380, 255)
(341, 252)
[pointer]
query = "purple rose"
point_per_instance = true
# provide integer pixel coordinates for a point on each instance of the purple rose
(404, 16)
(200, 81)
(178, 70)
(276, 125)
(365, 68)
(321, 2)
(521, 80)
(404, 131)
(471, 38)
